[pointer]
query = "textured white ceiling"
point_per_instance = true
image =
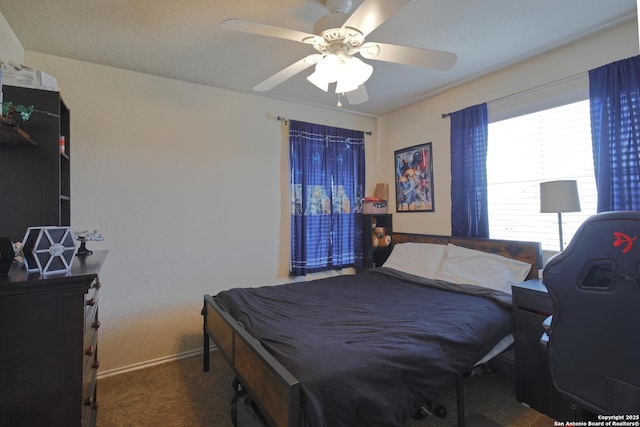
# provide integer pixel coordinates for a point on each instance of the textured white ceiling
(180, 39)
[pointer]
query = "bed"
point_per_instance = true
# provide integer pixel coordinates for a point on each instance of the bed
(371, 348)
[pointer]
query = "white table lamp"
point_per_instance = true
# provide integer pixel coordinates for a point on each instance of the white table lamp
(557, 197)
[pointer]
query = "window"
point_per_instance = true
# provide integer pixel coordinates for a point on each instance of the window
(523, 151)
(327, 181)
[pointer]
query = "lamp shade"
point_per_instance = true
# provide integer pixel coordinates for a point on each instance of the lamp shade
(559, 196)
(319, 80)
(347, 72)
(352, 74)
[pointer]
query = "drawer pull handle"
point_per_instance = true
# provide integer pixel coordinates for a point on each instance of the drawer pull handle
(90, 351)
(96, 324)
(97, 285)
(89, 401)
(95, 365)
(91, 302)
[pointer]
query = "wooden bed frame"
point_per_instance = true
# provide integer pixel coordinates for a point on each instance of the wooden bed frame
(274, 389)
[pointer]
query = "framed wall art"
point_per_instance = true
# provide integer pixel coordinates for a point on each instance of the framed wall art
(414, 179)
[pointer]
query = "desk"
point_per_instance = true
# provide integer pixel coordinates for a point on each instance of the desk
(534, 387)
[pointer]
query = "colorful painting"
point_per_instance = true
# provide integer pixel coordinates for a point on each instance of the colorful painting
(414, 179)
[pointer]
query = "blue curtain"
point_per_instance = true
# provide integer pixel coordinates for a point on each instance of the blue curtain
(469, 206)
(327, 185)
(614, 92)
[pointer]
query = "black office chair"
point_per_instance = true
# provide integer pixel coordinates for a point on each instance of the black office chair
(593, 336)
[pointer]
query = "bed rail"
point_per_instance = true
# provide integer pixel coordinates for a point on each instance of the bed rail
(275, 390)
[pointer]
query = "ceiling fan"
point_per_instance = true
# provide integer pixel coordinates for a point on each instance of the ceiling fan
(338, 38)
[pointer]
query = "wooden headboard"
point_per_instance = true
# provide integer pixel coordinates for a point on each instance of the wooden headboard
(529, 252)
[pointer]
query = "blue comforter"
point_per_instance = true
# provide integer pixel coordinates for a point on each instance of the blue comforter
(370, 349)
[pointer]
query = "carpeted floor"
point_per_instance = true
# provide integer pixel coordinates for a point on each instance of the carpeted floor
(180, 394)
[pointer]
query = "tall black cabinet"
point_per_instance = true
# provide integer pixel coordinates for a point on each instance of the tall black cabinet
(34, 169)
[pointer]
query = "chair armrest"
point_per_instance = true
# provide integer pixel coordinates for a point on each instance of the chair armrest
(546, 325)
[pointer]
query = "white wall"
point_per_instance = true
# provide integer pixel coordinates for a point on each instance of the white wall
(10, 47)
(189, 185)
(422, 122)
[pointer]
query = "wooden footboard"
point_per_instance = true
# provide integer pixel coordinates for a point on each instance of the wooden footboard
(275, 390)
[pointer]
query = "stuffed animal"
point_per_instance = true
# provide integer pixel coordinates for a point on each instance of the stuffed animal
(384, 241)
(379, 238)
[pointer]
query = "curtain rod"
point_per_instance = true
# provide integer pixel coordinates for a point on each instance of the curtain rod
(522, 92)
(285, 120)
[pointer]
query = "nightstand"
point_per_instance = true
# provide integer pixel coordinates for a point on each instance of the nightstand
(534, 387)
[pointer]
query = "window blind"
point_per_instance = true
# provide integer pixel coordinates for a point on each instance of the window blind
(523, 151)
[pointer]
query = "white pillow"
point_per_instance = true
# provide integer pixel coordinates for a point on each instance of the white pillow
(468, 266)
(421, 259)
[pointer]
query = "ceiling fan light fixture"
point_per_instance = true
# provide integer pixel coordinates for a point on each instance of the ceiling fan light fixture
(319, 81)
(329, 67)
(358, 70)
(326, 71)
(337, 38)
(353, 74)
(347, 72)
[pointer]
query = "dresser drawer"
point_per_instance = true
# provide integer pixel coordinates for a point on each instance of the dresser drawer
(90, 417)
(89, 379)
(89, 384)
(90, 341)
(91, 322)
(89, 403)
(91, 304)
(90, 358)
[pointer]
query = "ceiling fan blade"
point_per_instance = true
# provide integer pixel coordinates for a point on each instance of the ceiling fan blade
(234, 24)
(357, 96)
(288, 72)
(372, 13)
(426, 58)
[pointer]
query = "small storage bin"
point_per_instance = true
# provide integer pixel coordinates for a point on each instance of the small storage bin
(374, 206)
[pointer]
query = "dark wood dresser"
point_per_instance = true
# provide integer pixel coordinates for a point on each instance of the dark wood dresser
(49, 345)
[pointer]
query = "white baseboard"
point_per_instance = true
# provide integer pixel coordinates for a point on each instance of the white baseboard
(153, 362)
